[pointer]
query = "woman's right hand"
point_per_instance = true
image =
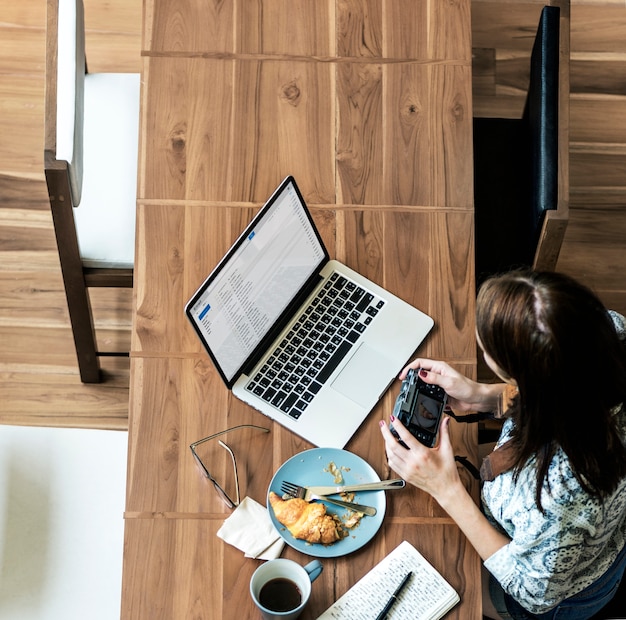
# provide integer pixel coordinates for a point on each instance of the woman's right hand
(463, 393)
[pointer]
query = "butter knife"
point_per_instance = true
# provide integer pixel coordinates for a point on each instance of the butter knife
(383, 485)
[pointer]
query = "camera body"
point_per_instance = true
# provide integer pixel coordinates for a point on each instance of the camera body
(419, 407)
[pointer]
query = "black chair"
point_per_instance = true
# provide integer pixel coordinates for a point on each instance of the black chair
(520, 165)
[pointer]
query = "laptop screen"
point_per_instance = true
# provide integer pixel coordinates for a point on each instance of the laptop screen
(262, 273)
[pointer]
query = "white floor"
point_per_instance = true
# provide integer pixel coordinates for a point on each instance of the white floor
(62, 495)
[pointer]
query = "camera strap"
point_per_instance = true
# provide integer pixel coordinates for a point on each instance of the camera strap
(485, 472)
(500, 460)
(472, 417)
(468, 465)
(503, 457)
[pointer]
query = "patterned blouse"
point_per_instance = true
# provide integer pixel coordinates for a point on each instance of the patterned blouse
(554, 555)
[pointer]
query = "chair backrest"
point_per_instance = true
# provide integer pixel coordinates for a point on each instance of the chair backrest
(541, 117)
(548, 98)
(65, 84)
(521, 165)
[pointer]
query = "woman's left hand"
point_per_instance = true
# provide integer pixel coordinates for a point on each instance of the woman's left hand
(433, 470)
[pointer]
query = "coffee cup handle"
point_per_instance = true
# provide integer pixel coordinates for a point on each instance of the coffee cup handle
(314, 569)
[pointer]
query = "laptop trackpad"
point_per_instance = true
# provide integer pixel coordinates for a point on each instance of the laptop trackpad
(363, 378)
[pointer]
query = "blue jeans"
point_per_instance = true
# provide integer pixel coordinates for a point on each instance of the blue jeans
(581, 606)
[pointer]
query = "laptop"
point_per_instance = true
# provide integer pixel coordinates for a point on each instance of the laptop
(304, 339)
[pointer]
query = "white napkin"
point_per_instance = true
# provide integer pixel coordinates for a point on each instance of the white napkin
(251, 530)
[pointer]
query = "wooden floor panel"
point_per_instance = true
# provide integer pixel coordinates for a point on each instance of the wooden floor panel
(594, 252)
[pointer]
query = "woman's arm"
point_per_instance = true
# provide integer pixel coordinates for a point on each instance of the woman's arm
(542, 563)
(434, 470)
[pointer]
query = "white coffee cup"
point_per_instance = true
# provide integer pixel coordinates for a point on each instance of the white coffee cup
(279, 584)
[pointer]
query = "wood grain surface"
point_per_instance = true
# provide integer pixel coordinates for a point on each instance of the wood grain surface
(368, 104)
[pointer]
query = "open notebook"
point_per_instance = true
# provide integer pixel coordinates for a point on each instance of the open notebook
(304, 339)
(427, 595)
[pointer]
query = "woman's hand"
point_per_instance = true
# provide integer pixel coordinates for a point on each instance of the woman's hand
(433, 470)
(463, 393)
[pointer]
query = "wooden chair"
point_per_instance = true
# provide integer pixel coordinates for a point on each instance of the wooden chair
(90, 159)
(521, 176)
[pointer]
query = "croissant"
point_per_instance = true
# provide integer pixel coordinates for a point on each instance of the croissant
(306, 521)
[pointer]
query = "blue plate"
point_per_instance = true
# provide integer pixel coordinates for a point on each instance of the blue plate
(308, 469)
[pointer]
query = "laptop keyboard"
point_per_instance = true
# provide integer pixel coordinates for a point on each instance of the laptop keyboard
(325, 332)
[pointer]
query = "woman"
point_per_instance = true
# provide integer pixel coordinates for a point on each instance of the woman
(552, 528)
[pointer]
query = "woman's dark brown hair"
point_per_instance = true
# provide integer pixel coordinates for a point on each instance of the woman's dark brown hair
(555, 338)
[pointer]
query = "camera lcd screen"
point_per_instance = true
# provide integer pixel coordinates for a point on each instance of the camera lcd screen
(426, 413)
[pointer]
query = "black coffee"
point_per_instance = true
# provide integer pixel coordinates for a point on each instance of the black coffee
(280, 594)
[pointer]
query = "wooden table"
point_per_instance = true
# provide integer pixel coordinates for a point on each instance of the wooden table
(368, 104)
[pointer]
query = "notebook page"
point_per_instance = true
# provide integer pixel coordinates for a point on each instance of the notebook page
(427, 596)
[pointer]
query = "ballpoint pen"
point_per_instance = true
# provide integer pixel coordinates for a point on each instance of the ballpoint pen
(394, 597)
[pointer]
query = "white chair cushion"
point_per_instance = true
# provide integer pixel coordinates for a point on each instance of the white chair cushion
(105, 218)
(62, 493)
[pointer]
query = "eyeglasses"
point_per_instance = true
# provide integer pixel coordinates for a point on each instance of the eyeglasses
(220, 490)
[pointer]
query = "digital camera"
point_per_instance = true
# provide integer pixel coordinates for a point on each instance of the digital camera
(419, 407)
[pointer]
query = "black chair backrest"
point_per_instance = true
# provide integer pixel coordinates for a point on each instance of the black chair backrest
(541, 116)
(516, 164)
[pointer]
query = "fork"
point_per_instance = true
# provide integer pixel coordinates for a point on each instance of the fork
(299, 492)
